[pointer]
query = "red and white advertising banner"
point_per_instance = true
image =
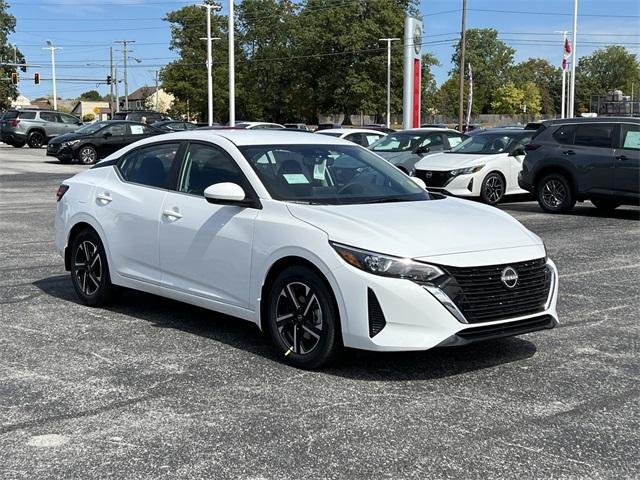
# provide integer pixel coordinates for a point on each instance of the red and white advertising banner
(413, 34)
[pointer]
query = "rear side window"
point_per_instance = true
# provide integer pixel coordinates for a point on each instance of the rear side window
(153, 166)
(564, 134)
(631, 137)
(27, 115)
(8, 115)
(595, 135)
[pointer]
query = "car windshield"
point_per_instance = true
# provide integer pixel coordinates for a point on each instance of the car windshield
(91, 128)
(397, 142)
(330, 174)
(486, 143)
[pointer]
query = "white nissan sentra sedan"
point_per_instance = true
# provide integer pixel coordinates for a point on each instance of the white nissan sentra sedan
(318, 241)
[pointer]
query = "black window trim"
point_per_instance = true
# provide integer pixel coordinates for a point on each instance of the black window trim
(252, 198)
(116, 162)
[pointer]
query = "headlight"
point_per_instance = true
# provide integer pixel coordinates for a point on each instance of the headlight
(70, 143)
(388, 266)
(466, 171)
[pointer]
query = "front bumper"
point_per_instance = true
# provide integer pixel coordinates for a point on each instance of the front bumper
(417, 319)
(64, 153)
(459, 186)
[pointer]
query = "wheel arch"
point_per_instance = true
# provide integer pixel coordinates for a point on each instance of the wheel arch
(558, 169)
(81, 224)
(38, 129)
(76, 152)
(278, 267)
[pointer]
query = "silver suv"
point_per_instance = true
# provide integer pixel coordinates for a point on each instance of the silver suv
(35, 127)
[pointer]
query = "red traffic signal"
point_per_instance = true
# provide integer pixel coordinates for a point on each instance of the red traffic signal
(14, 78)
(36, 78)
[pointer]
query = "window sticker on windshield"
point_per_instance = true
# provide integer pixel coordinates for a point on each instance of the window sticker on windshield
(137, 129)
(453, 141)
(295, 178)
(632, 140)
(318, 170)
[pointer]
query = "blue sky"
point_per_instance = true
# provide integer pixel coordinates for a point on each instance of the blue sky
(86, 28)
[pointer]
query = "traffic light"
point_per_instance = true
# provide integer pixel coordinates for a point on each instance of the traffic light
(14, 78)
(109, 80)
(36, 78)
(23, 68)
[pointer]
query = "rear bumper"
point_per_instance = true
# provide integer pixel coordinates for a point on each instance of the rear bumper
(525, 183)
(10, 137)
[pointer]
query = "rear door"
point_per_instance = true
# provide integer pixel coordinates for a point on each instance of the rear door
(52, 124)
(71, 123)
(627, 161)
(593, 156)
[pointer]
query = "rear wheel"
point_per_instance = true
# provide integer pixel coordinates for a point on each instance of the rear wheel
(87, 155)
(555, 194)
(35, 139)
(605, 204)
(89, 269)
(302, 318)
(493, 188)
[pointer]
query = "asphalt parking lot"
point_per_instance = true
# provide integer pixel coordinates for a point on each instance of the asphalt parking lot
(152, 388)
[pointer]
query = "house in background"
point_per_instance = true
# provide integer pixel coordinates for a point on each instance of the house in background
(144, 98)
(84, 109)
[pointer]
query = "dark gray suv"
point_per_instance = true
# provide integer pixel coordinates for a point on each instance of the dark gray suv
(35, 127)
(577, 159)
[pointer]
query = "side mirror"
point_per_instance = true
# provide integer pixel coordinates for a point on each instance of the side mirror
(517, 152)
(419, 182)
(107, 135)
(423, 150)
(227, 193)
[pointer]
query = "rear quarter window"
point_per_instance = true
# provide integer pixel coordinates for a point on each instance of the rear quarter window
(564, 134)
(27, 115)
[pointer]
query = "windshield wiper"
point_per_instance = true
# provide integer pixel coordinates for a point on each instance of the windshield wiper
(388, 200)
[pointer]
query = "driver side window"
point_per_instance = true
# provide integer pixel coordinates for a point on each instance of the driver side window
(117, 130)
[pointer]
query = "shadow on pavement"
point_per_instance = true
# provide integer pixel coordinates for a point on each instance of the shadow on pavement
(352, 364)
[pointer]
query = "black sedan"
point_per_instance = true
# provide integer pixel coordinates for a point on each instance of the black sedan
(97, 140)
(169, 126)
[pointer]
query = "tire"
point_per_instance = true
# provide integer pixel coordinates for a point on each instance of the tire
(90, 271)
(493, 188)
(605, 204)
(555, 194)
(302, 319)
(35, 139)
(87, 155)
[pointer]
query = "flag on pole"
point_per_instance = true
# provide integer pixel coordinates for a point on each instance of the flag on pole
(566, 53)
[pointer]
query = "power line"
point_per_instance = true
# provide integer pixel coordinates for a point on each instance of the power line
(517, 12)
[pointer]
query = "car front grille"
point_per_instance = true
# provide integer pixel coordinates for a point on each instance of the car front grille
(481, 296)
(434, 178)
(53, 148)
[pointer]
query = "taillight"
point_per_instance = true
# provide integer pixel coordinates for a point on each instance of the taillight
(531, 146)
(62, 189)
(15, 122)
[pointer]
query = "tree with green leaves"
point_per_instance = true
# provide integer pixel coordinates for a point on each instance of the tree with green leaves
(491, 60)
(90, 96)
(510, 99)
(8, 91)
(546, 77)
(606, 69)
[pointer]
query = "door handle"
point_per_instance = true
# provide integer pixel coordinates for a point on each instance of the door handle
(171, 214)
(104, 197)
(568, 152)
(622, 157)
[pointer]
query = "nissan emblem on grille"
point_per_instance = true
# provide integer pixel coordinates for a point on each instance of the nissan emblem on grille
(509, 277)
(428, 174)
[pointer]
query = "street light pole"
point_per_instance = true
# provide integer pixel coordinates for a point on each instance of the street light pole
(572, 94)
(126, 83)
(463, 44)
(232, 68)
(53, 70)
(388, 40)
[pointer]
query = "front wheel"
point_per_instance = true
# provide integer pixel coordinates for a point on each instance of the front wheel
(89, 269)
(605, 204)
(302, 318)
(87, 155)
(493, 188)
(555, 194)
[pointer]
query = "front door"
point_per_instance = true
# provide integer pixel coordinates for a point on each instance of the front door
(129, 204)
(112, 139)
(627, 161)
(205, 249)
(516, 157)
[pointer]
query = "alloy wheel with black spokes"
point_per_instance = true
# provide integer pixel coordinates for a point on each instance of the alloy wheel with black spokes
(302, 318)
(35, 139)
(555, 194)
(87, 155)
(90, 270)
(493, 188)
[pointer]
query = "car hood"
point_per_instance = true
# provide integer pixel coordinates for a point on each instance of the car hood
(451, 161)
(429, 228)
(65, 138)
(394, 157)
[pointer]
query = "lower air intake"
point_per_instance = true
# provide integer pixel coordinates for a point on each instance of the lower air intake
(376, 317)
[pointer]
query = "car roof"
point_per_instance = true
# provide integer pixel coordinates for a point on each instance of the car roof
(560, 121)
(350, 130)
(427, 130)
(241, 137)
(503, 130)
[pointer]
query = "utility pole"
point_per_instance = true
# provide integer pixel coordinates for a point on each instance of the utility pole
(115, 80)
(210, 5)
(126, 83)
(388, 40)
(572, 95)
(463, 44)
(232, 68)
(53, 70)
(156, 73)
(111, 107)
